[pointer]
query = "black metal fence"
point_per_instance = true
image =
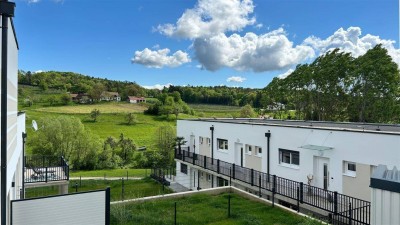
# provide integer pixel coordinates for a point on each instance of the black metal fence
(161, 175)
(45, 169)
(342, 209)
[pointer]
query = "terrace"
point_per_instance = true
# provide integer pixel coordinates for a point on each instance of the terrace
(333, 206)
(45, 169)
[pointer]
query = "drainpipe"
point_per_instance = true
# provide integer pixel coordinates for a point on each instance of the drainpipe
(24, 136)
(6, 11)
(212, 143)
(268, 135)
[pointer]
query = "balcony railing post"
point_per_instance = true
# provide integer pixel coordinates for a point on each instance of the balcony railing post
(194, 158)
(252, 177)
(298, 199)
(218, 166)
(183, 156)
(273, 190)
(350, 214)
(335, 202)
(233, 171)
(205, 162)
(301, 192)
(259, 185)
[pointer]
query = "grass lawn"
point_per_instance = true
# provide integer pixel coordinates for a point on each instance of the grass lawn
(133, 188)
(113, 124)
(112, 173)
(216, 110)
(203, 209)
(109, 107)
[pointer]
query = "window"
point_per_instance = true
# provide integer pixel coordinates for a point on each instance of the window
(183, 168)
(201, 140)
(289, 157)
(350, 168)
(209, 141)
(258, 151)
(248, 149)
(209, 177)
(222, 144)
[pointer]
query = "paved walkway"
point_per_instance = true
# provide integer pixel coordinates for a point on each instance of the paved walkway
(107, 178)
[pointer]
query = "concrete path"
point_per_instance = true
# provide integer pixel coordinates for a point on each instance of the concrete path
(107, 178)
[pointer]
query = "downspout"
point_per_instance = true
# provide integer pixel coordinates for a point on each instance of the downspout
(268, 135)
(24, 135)
(6, 10)
(212, 143)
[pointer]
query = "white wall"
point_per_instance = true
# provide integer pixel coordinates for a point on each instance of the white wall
(385, 207)
(365, 148)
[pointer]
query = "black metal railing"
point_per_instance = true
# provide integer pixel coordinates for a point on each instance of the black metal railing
(45, 169)
(162, 175)
(342, 209)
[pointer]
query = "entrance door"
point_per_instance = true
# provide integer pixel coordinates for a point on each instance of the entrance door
(321, 172)
(239, 154)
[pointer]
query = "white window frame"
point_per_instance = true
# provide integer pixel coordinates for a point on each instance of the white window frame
(249, 149)
(223, 143)
(349, 171)
(209, 141)
(201, 140)
(291, 154)
(209, 177)
(258, 153)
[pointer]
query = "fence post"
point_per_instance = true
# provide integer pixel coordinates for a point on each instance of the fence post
(252, 177)
(230, 176)
(175, 214)
(350, 214)
(76, 186)
(123, 191)
(198, 180)
(229, 205)
(233, 172)
(259, 185)
(298, 199)
(46, 173)
(301, 192)
(205, 162)
(80, 181)
(335, 202)
(273, 190)
(127, 175)
(218, 166)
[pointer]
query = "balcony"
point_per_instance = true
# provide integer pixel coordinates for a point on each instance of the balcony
(45, 169)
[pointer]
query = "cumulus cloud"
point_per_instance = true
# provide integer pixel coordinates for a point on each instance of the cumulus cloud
(352, 41)
(158, 86)
(236, 79)
(160, 58)
(259, 26)
(211, 17)
(286, 74)
(266, 52)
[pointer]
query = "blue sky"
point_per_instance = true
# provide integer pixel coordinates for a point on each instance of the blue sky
(216, 42)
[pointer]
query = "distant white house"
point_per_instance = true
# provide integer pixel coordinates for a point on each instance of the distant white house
(110, 96)
(134, 99)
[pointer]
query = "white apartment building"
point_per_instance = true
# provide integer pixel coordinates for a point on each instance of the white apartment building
(332, 156)
(13, 139)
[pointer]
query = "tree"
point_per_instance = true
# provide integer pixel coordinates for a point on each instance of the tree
(52, 100)
(94, 114)
(65, 99)
(165, 142)
(247, 112)
(66, 136)
(96, 91)
(131, 118)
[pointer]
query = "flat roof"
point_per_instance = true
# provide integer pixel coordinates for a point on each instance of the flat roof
(327, 125)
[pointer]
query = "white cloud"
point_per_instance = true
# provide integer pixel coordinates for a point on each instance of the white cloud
(352, 41)
(236, 79)
(33, 1)
(259, 26)
(267, 52)
(158, 86)
(211, 17)
(156, 47)
(286, 74)
(160, 58)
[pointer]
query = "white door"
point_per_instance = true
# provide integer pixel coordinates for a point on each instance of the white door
(239, 158)
(321, 172)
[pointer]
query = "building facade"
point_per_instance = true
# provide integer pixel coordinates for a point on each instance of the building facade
(332, 156)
